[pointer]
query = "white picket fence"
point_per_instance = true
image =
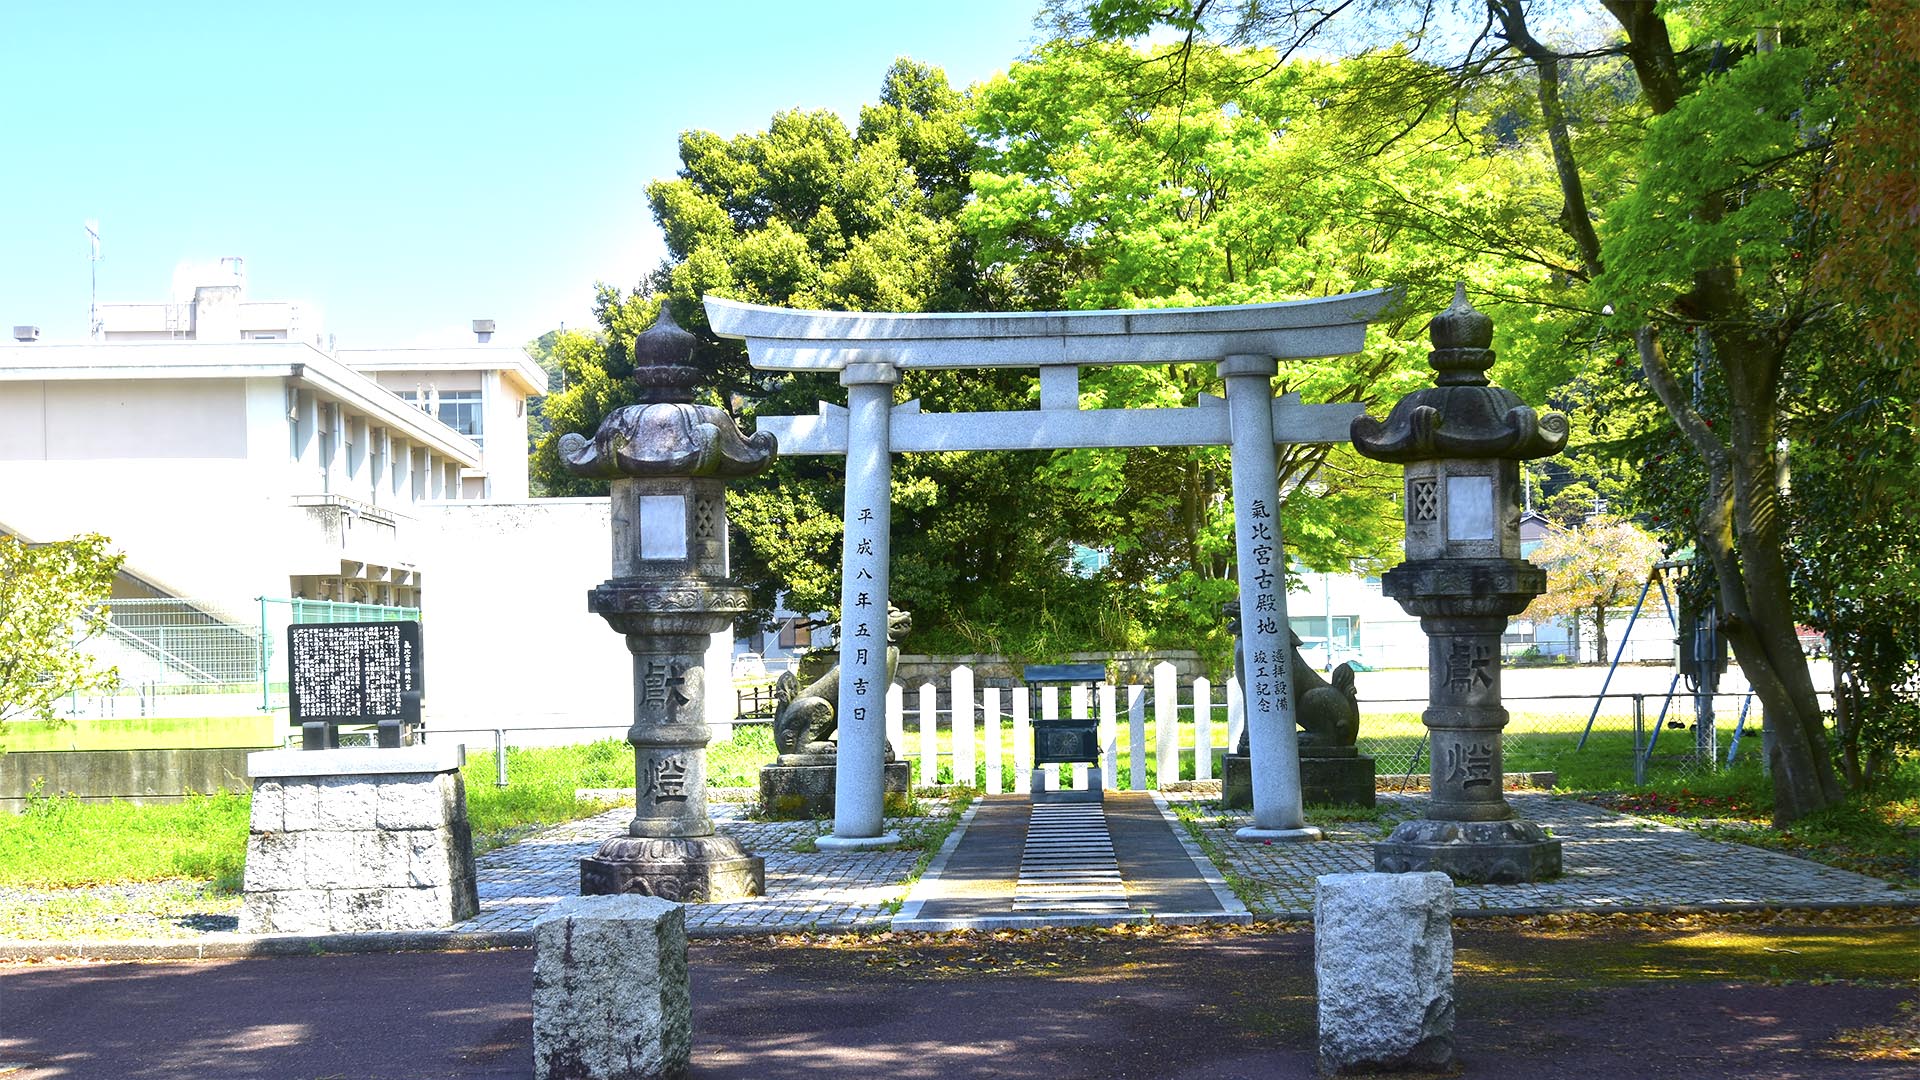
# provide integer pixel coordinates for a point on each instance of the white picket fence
(992, 725)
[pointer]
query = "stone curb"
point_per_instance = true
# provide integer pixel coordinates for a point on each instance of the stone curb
(1209, 873)
(233, 946)
(909, 912)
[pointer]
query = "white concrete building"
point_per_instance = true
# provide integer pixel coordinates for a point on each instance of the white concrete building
(220, 445)
(232, 454)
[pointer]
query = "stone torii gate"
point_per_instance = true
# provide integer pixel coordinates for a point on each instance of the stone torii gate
(869, 350)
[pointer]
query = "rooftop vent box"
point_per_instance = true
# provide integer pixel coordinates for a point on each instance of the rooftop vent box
(483, 329)
(26, 333)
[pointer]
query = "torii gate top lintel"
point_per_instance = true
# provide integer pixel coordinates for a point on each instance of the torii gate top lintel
(790, 339)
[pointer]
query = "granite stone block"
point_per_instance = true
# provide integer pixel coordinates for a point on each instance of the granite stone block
(610, 993)
(1383, 964)
(275, 860)
(268, 810)
(426, 862)
(356, 910)
(348, 802)
(300, 803)
(411, 802)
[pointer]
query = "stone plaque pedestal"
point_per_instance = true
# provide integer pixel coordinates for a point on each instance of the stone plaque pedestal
(358, 839)
(1328, 777)
(797, 792)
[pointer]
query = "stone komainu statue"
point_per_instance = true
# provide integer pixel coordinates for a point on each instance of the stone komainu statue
(804, 717)
(1328, 712)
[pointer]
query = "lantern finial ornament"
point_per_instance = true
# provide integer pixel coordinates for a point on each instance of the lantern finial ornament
(1462, 342)
(663, 366)
(1462, 415)
(667, 433)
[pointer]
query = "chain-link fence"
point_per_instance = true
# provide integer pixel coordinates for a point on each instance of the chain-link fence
(181, 657)
(1586, 740)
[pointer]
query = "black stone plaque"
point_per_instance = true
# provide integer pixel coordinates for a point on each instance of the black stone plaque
(1066, 740)
(354, 673)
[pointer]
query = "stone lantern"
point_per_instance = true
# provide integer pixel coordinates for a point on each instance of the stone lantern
(669, 460)
(1461, 442)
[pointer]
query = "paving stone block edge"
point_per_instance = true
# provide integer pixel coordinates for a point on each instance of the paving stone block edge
(231, 946)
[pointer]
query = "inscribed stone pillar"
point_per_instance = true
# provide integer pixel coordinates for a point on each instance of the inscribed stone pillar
(1272, 742)
(859, 788)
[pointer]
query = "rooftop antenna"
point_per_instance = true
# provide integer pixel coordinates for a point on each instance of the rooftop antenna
(94, 329)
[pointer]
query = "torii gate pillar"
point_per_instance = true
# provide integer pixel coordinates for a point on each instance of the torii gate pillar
(865, 579)
(1272, 744)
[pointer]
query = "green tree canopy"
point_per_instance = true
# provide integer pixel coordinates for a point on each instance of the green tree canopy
(1690, 204)
(809, 214)
(52, 598)
(1096, 187)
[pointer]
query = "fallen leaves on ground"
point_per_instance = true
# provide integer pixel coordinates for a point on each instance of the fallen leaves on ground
(1897, 1041)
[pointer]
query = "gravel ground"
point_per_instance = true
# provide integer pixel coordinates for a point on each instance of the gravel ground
(147, 909)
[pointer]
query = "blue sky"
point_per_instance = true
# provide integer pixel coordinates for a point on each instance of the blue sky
(406, 166)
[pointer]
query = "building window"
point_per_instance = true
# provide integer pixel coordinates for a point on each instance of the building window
(458, 409)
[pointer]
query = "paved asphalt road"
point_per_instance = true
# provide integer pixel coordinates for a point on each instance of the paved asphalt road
(1216, 1006)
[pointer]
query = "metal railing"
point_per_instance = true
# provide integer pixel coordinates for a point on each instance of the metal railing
(180, 656)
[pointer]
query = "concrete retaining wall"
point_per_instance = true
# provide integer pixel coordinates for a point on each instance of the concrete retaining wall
(141, 776)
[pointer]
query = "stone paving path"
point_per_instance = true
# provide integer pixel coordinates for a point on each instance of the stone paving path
(1612, 862)
(1068, 862)
(805, 890)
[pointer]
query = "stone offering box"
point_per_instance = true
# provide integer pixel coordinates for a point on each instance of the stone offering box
(1066, 741)
(358, 839)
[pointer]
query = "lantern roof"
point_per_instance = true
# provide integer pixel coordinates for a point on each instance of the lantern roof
(1462, 415)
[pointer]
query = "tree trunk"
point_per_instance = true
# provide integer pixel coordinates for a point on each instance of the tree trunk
(1738, 529)
(1846, 718)
(1600, 633)
(1574, 216)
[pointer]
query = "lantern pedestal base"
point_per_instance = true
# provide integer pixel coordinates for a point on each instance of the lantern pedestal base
(1476, 852)
(689, 870)
(800, 792)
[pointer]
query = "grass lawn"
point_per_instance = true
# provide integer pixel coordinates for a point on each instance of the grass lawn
(1876, 833)
(66, 842)
(148, 733)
